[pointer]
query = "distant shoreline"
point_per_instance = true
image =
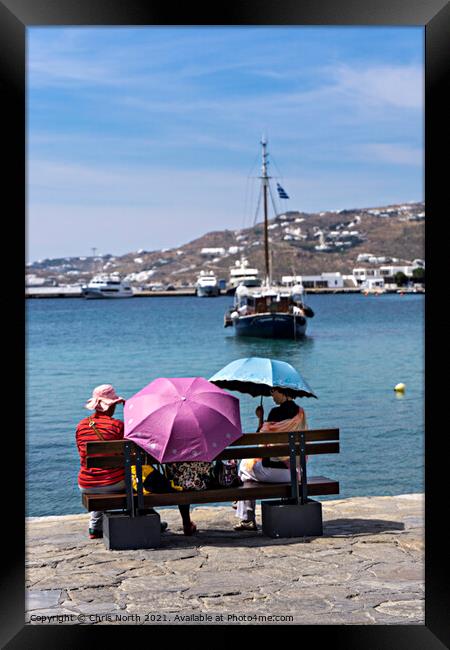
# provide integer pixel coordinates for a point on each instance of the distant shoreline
(62, 292)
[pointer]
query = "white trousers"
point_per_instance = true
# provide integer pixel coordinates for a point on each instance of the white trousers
(96, 516)
(246, 509)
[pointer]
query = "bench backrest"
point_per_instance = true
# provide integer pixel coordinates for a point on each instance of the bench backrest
(297, 445)
(111, 453)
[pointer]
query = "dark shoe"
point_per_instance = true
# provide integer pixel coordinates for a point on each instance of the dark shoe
(246, 525)
(164, 526)
(95, 534)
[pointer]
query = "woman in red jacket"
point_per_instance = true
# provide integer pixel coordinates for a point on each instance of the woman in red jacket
(99, 426)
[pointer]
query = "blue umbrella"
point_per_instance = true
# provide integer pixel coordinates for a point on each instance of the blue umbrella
(257, 375)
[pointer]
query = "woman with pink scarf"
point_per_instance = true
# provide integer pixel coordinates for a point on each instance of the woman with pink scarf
(287, 416)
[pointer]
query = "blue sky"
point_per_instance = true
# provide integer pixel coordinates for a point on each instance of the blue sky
(149, 137)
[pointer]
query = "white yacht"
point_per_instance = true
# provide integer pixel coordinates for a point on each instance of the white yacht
(107, 286)
(242, 274)
(207, 285)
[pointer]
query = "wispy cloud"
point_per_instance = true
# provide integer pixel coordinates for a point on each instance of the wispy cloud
(393, 153)
(399, 86)
(164, 63)
(74, 58)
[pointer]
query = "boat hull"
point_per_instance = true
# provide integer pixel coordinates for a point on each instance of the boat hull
(271, 326)
(207, 292)
(95, 294)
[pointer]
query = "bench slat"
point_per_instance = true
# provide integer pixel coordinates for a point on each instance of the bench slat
(232, 452)
(105, 448)
(317, 485)
(313, 435)
(277, 450)
(104, 462)
(116, 447)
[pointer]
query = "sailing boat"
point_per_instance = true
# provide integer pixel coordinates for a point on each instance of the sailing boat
(268, 311)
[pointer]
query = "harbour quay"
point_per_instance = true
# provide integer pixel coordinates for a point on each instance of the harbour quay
(75, 292)
(53, 292)
(367, 569)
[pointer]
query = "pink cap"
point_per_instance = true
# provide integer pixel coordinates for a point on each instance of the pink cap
(102, 398)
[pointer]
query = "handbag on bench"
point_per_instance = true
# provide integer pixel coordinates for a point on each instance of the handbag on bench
(225, 474)
(155, 482)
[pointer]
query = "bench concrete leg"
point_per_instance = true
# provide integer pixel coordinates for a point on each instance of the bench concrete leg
(122, 532)
(284, 519)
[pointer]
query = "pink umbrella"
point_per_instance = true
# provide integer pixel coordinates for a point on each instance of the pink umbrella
(178, 419)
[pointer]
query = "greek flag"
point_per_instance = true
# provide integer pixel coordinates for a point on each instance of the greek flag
(281, 193)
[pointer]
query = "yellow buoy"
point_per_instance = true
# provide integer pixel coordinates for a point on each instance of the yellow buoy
(400, 388)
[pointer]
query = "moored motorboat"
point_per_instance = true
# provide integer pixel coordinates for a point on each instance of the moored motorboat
(207, 285)
(242, 274)
(107, 286)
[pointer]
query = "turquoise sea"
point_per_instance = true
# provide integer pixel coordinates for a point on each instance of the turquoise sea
(357, 349)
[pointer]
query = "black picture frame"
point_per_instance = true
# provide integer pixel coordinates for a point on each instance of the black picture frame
(434, 16)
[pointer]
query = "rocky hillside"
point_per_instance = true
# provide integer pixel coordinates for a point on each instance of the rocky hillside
(301, 243)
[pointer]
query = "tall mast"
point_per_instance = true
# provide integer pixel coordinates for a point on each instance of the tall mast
(94, 250)
(265, 183)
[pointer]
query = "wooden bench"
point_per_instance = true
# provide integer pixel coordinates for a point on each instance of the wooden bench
(297, 445)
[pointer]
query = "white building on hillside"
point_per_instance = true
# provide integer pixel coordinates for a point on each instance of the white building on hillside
(406, 269)
(324, 281)
(212, 251)
(386, 273)
(373, 283)
(362, 274)
(32, 280)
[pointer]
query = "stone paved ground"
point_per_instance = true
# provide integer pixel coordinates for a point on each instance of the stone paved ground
(368, 568)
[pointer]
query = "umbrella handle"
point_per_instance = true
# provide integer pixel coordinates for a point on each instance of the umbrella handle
(261, 403)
